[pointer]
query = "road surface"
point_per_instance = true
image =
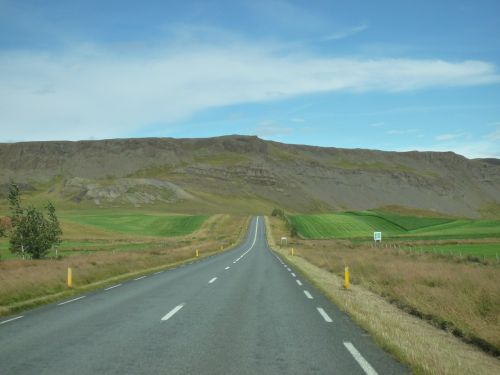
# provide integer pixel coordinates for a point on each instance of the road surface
(240, 312)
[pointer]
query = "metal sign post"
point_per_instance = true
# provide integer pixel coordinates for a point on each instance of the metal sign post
(284, 241)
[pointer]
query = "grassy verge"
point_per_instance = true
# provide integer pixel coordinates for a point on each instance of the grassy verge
(425, 348)
(29, 283)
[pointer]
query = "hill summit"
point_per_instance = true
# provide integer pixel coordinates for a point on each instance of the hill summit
(247, 174)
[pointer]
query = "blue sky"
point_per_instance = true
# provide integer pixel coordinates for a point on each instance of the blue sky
(392, 75)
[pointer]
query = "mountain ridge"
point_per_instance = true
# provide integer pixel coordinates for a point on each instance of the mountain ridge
(221, 170)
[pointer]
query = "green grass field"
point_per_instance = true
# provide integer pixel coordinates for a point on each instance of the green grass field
(82, 247)
(140, 224)
(363, 224)
(91, 231)
(343, 225)
(359, 226)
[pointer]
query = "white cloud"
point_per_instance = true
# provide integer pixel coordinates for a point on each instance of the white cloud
(90, 90)
(341, 34)
(297, 119)
(377, 124)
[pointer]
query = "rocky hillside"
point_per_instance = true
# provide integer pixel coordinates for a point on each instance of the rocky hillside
(227, 172)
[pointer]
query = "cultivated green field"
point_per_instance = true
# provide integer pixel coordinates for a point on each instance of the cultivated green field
(344, 225)
(90, 231)
(140, 224)
(359, 226)
(363, 224)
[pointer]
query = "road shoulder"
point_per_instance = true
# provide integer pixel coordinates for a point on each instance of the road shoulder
(426, 349)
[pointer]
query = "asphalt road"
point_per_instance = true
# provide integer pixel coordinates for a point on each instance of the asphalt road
(240, 312)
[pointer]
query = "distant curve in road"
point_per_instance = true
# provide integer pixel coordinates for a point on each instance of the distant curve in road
(240, 312)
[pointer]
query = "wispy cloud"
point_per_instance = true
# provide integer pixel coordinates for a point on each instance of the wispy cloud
(450, 136)
(495, 136)
(297, 119)
(462, 143)
(94, 90)
(377, 124)
(341, 34)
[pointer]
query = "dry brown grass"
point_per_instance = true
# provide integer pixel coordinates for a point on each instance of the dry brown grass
(24, 283)
(454, 295)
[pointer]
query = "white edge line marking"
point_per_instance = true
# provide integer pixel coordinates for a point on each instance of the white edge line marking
(10, 320)
(299, 282)
(139, 278)
(172, 312)
(227, 268)
(71, 300)
(308, 295)
(324, 315)
(212, 280)
(254, 240)
(157, 273)
(367, 368)
(114, 286)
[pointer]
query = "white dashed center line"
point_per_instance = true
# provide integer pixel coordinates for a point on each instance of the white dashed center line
(173, 312)
(293, 274)
(11, 320)
(227, 268)
(324, 315)
(114, 286)
(367, 368)
(71, 300)
(139, 278)
(212, 280)
(308, 295)
(299, 282)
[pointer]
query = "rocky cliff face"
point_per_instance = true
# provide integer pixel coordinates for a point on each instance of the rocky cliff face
(299, 178)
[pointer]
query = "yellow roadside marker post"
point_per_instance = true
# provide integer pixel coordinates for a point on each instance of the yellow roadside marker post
(197, 254)
(70, 277)
(347, 277)
(292, 251)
